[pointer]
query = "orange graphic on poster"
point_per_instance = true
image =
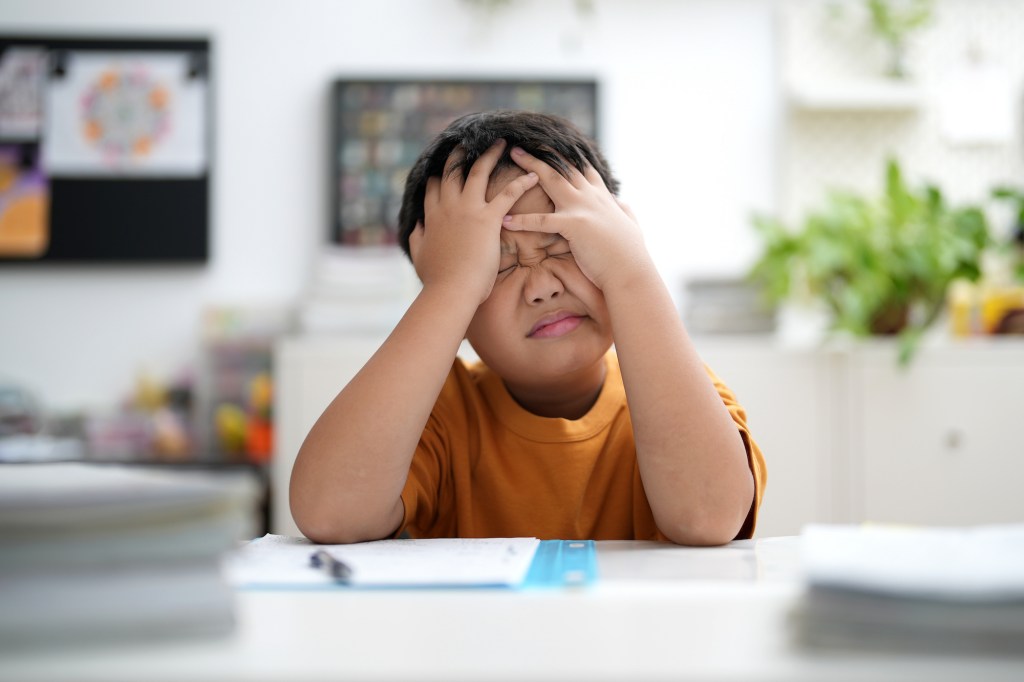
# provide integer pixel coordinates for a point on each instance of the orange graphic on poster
(24, 205)
(125, 114)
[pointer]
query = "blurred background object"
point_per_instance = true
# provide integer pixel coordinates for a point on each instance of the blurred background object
(236, 418)
(894, 21)
(883, 264)
(930, 590)
(19, 412)
(98, 553)
(727, 306)
(380, 126)
(28, 433)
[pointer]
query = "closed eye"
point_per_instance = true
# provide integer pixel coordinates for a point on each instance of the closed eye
(506, 271)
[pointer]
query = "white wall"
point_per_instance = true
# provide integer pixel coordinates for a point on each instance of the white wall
(847, 147)
(689, 123)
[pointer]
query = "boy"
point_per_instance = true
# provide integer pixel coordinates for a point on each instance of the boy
(511, 223)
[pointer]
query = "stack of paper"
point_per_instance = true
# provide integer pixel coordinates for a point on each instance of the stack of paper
(92, 552)
(357, 290)
(907, 588)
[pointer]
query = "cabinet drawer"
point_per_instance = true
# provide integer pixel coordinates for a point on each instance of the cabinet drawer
(943, 442)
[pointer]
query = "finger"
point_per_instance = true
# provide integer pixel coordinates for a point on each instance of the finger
(593, 177)
(553, 183)
(480, 174)
(507, 197)
(451, 181)
(573, 174)
(552, 223)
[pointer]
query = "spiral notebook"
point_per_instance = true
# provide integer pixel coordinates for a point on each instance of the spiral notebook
(277, 562)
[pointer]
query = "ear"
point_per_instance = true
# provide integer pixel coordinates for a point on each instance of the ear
(415, 246)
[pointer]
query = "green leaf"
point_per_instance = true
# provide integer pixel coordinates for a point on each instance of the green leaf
(870, 258)
(909, 341)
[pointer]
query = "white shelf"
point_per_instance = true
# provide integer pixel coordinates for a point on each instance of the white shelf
(865, 96)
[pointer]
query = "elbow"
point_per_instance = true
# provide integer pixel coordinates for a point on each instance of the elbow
(325, 529)
(327, 534)
(700, 534)
(329, 522)
(314, 524)
(709, 525)
(315, 511)
(321, 523)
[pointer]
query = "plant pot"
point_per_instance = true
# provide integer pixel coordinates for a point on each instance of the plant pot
(891, 319)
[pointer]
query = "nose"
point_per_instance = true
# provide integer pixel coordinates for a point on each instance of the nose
(541, 284)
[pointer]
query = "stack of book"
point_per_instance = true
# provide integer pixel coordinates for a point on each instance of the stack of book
(93, 552)
(913, 589)
(359, 290)
(726, 306)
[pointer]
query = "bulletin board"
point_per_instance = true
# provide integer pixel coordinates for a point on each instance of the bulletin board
(104, 150)
(381, 126)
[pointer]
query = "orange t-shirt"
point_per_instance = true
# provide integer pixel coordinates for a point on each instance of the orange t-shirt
(486, 467)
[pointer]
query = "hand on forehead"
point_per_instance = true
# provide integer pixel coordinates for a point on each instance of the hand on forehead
(535, 200)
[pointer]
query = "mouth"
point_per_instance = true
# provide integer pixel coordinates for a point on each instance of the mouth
(555, 324)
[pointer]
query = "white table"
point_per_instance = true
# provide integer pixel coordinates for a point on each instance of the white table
(659, 612)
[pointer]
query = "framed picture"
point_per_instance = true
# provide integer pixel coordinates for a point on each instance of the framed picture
(381, 126)
(104, 149)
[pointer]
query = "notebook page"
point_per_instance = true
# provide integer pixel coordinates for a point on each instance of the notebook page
(281, 561)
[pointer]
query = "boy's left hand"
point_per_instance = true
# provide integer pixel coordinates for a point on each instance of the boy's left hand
(602, 232)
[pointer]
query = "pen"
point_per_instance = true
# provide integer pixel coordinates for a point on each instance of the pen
(335, 567)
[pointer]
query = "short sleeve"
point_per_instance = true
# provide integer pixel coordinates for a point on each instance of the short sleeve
(428, 492)
(755, 458)
(422, 491)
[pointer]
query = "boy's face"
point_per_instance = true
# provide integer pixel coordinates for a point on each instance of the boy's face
(544, 319)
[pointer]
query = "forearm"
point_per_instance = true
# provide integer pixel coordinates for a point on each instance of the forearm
(692, 459)
(349, 472)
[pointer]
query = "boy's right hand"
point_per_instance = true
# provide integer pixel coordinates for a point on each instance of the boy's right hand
(460, 246)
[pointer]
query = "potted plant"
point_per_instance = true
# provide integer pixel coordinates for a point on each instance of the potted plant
(893, 21)
(1015, 196)
(881, 265)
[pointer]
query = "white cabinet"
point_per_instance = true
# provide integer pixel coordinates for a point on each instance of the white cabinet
(308, 373)
(847, 435)
(943, 441)
(789, 404)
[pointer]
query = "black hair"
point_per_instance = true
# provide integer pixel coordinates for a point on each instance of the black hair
(553, 139)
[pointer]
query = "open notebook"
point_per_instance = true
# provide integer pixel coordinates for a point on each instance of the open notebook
(282, 562)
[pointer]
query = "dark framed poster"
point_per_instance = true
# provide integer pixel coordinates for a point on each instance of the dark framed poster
(380, 127)
(104, 149)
